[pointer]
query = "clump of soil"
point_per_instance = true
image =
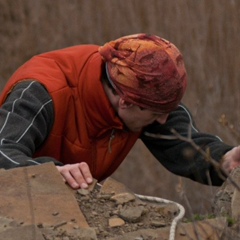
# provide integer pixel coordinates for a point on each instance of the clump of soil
(113, 215)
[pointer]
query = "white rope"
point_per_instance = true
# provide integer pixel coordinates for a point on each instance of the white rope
(175, 220)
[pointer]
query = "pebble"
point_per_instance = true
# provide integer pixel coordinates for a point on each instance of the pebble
(83, 192)
(104, 196)
(122, 198)
(131, 214)
(94, 213)
(116, 222)
(158, 223)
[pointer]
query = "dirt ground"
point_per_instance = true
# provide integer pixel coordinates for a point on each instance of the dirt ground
(112, 217)
(118, 216)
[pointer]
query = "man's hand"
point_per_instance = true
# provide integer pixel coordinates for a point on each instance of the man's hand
(77, 175)
(231, 159)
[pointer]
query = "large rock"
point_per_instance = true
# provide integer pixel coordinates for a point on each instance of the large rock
(227, 199)
(36, 196)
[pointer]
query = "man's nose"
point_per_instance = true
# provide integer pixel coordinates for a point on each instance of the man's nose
(162, 118)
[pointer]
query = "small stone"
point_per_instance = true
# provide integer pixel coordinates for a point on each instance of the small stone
(131, 214)
(92, 185)
(94, 213)
(158, 223)
(83, 192)
(182, 233)
(122, 198)
(104, 196)
(115, 222)
(115, 212)
(170, 209)
(40, 225)
(106, 214)
(55, 213)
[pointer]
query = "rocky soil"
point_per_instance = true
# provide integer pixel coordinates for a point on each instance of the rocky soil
(113, 215)
(42, 207)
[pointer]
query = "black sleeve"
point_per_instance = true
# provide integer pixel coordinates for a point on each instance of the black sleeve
(180, 157)
(26, 118)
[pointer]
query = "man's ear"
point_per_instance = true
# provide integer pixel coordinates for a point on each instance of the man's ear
(124, 104)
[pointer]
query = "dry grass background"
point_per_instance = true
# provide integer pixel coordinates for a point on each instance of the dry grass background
(206, 31)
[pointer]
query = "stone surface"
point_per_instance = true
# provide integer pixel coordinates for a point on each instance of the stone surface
(6, 223)
(227, 199)
(235, 203)
(208, 229)
(37, 195)
(111, 186)
(122, 198)
(30, 232)
(35, 202)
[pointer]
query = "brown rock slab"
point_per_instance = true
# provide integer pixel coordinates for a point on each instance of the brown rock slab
(37, 195)
(6, 223)
(77, 234)
(24, 232)
(235, 204)
(207, 229)
(227, 199)
(111, 186)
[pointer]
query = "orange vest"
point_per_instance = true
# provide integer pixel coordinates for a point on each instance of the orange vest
(86, 127)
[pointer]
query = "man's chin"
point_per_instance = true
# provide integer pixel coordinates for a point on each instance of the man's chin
(136, 130)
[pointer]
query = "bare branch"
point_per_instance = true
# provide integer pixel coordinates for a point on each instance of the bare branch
(223, 174)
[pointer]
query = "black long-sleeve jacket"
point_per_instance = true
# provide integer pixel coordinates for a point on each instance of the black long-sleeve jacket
(30, 107)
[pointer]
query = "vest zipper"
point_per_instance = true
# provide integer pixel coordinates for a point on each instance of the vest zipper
(112, 136)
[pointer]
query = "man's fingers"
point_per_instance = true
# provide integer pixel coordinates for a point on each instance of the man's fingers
(70, 179)
(86, 172)
(76, 175)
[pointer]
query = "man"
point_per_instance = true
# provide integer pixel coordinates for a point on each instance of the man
(84, 107)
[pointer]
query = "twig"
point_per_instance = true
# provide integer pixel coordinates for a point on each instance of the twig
(206, 155)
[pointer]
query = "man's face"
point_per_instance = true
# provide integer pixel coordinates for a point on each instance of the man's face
(136, 118)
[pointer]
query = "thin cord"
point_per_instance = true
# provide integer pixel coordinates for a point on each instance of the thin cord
(175, 220)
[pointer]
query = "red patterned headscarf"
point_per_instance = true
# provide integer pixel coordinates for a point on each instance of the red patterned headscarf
(146, 70)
